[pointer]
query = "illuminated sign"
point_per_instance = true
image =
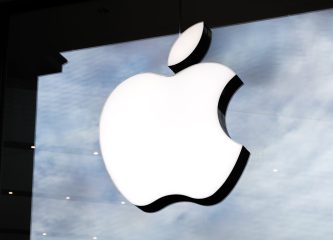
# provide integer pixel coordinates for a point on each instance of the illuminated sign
(164, 139)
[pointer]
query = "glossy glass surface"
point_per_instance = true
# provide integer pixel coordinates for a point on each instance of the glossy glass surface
(283, 115)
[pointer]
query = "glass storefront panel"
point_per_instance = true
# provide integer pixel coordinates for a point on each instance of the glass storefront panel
(282, 114)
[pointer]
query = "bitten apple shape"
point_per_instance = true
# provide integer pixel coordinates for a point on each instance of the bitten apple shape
(164, 140)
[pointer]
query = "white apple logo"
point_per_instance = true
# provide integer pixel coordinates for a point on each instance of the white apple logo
(164, 140)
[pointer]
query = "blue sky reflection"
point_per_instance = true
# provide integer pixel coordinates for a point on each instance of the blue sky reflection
(283, 114)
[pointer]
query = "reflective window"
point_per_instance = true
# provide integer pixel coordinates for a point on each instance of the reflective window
(282, 114)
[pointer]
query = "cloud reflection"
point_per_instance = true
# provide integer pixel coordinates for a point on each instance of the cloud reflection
(283, 115)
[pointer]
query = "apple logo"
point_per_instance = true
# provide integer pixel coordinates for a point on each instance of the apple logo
(164, 139)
